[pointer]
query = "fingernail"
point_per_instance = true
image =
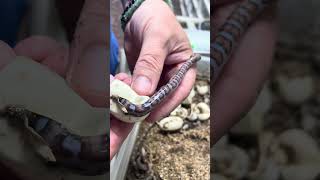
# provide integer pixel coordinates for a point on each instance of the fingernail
(142, 85)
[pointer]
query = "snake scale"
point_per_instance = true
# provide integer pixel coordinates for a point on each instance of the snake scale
(85, 155)
(227, 38)
(140, 110)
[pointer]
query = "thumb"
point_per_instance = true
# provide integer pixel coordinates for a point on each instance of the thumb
(148, 69)
(87, 67)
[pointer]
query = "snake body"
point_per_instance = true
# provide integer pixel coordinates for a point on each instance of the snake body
(160, 95)
(227, 38)
(86, 155)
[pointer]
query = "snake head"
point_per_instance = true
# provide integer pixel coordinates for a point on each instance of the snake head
(121, 102)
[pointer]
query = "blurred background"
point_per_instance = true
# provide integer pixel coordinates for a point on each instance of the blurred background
(22, 18)
(150, 152)
(279, 138)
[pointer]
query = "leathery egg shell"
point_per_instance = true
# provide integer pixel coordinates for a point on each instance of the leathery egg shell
(171, 123)
(119, 88)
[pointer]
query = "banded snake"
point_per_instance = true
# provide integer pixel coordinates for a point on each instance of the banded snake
(229, 34)
(141, 110)
(89, 155)
(85, 155)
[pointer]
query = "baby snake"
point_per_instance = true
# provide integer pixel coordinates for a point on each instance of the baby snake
(86, 155)
(227, 38)
(140, 110)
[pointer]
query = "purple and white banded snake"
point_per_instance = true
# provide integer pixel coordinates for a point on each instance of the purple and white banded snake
(140, 110)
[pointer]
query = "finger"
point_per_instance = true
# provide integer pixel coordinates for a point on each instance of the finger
(148, 68)
(121, 76)
(6, 54)
(124, 77)
(237, 88)
(46, 51)
(119, 132)
(88, 54)
(58, 62)
(37, 48)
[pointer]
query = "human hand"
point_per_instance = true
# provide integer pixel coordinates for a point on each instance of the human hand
(236, 90)
(156, 46)
(118, 130)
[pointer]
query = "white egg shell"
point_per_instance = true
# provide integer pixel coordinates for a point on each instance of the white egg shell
(171, 123)
(180, 111)
(204, 111)
(121, 89)
(193, 116)
(202, 89)
(188, 100)
(296, 90)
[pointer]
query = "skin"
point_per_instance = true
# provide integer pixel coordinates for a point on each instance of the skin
(154, 54)
(253, 51)
(88, 49)
(237, 88)
(161, 53)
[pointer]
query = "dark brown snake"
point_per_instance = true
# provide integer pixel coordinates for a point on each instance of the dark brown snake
(141, 110)
(229, 34)
(85, 155)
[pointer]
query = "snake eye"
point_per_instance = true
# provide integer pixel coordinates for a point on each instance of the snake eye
(121, 101)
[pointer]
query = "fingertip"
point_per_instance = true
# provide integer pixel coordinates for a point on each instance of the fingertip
(118, 133)
(121, 76)
(124, 78)
(37, 47)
